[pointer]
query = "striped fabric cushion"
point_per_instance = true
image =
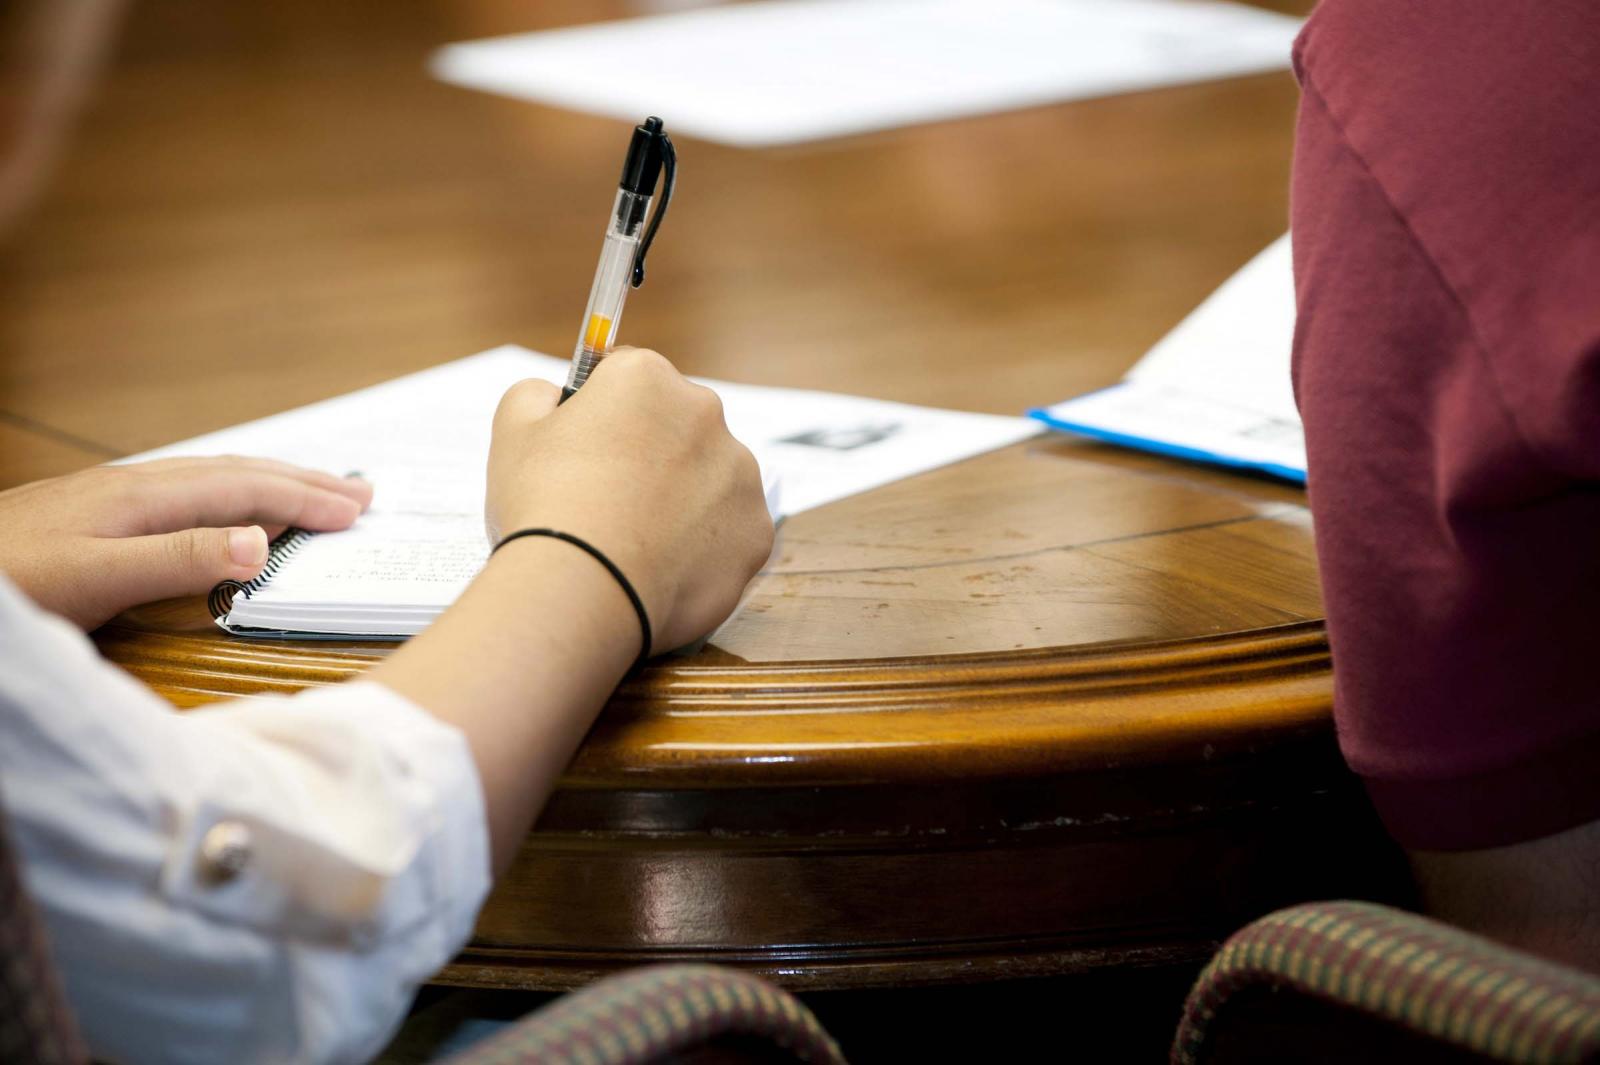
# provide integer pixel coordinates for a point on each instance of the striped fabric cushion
(652, 1013)
(1409, 971)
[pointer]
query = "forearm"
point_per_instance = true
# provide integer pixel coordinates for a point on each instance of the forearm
(521, 664)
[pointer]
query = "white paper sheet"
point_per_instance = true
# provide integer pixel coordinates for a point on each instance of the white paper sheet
(423, 441)
(786, 71)
(1217, 387)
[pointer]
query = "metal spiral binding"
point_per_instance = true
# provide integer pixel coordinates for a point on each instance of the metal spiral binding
(220, 601)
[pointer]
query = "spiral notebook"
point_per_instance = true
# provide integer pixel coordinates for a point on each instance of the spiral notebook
(423, 440)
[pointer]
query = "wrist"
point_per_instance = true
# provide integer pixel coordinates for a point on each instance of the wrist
(618, 531)
(521, 663)
(584, 578)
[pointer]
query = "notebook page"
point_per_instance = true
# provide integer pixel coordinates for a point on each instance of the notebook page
(401, 559)
(423, 442)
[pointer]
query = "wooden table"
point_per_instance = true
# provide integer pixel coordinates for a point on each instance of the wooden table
(1055, 708)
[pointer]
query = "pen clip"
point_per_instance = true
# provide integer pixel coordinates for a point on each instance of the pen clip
(669, 159)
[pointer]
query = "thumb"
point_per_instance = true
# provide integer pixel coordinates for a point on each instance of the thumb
(188, 562)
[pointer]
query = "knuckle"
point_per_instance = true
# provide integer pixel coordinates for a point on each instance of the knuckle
(118, 490)
(524, 390)
(185, 551)
(516, 400)
(645, 356)
(745, 464)
(766, 534)
(645, 361)
(705, 403)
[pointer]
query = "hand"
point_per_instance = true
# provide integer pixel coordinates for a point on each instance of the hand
(641, 464)
(93, 543)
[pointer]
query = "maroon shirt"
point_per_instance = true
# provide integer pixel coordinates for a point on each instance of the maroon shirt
(1446, 219)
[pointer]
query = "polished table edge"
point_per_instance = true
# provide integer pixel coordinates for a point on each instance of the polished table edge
(683, 725)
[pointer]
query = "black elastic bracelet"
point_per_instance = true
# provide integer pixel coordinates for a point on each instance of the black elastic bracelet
(611, 568)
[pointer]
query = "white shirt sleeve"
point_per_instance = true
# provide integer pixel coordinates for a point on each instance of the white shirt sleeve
(265, 880)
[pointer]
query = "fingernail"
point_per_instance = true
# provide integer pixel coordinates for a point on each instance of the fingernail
(248, 546)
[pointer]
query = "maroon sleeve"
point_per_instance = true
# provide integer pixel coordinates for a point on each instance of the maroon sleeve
(1446, 219)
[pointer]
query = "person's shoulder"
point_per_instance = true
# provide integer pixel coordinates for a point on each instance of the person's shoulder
(1440, 56)
(1476, 120)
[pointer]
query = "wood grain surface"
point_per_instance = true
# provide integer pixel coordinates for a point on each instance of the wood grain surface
(1055, 708)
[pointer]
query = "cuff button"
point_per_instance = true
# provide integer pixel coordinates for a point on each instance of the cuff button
(224, 852)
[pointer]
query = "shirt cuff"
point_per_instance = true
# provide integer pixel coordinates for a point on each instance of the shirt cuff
(389, 834)
(436, 758)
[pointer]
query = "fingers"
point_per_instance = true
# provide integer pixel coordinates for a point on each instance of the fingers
(525, 402)
(223, 495)
(353, 486)
(655, 373)
(141, 569)
(642, 361)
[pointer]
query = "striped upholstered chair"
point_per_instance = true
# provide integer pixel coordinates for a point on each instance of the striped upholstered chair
(668, 1013)
(1353, 981)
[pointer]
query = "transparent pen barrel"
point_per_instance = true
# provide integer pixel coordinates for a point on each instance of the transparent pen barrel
(612, 278)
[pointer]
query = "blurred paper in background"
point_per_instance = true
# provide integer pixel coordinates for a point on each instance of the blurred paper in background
(785, 71)
(1217, 388)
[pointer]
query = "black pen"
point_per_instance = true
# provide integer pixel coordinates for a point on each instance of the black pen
(622, 255)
